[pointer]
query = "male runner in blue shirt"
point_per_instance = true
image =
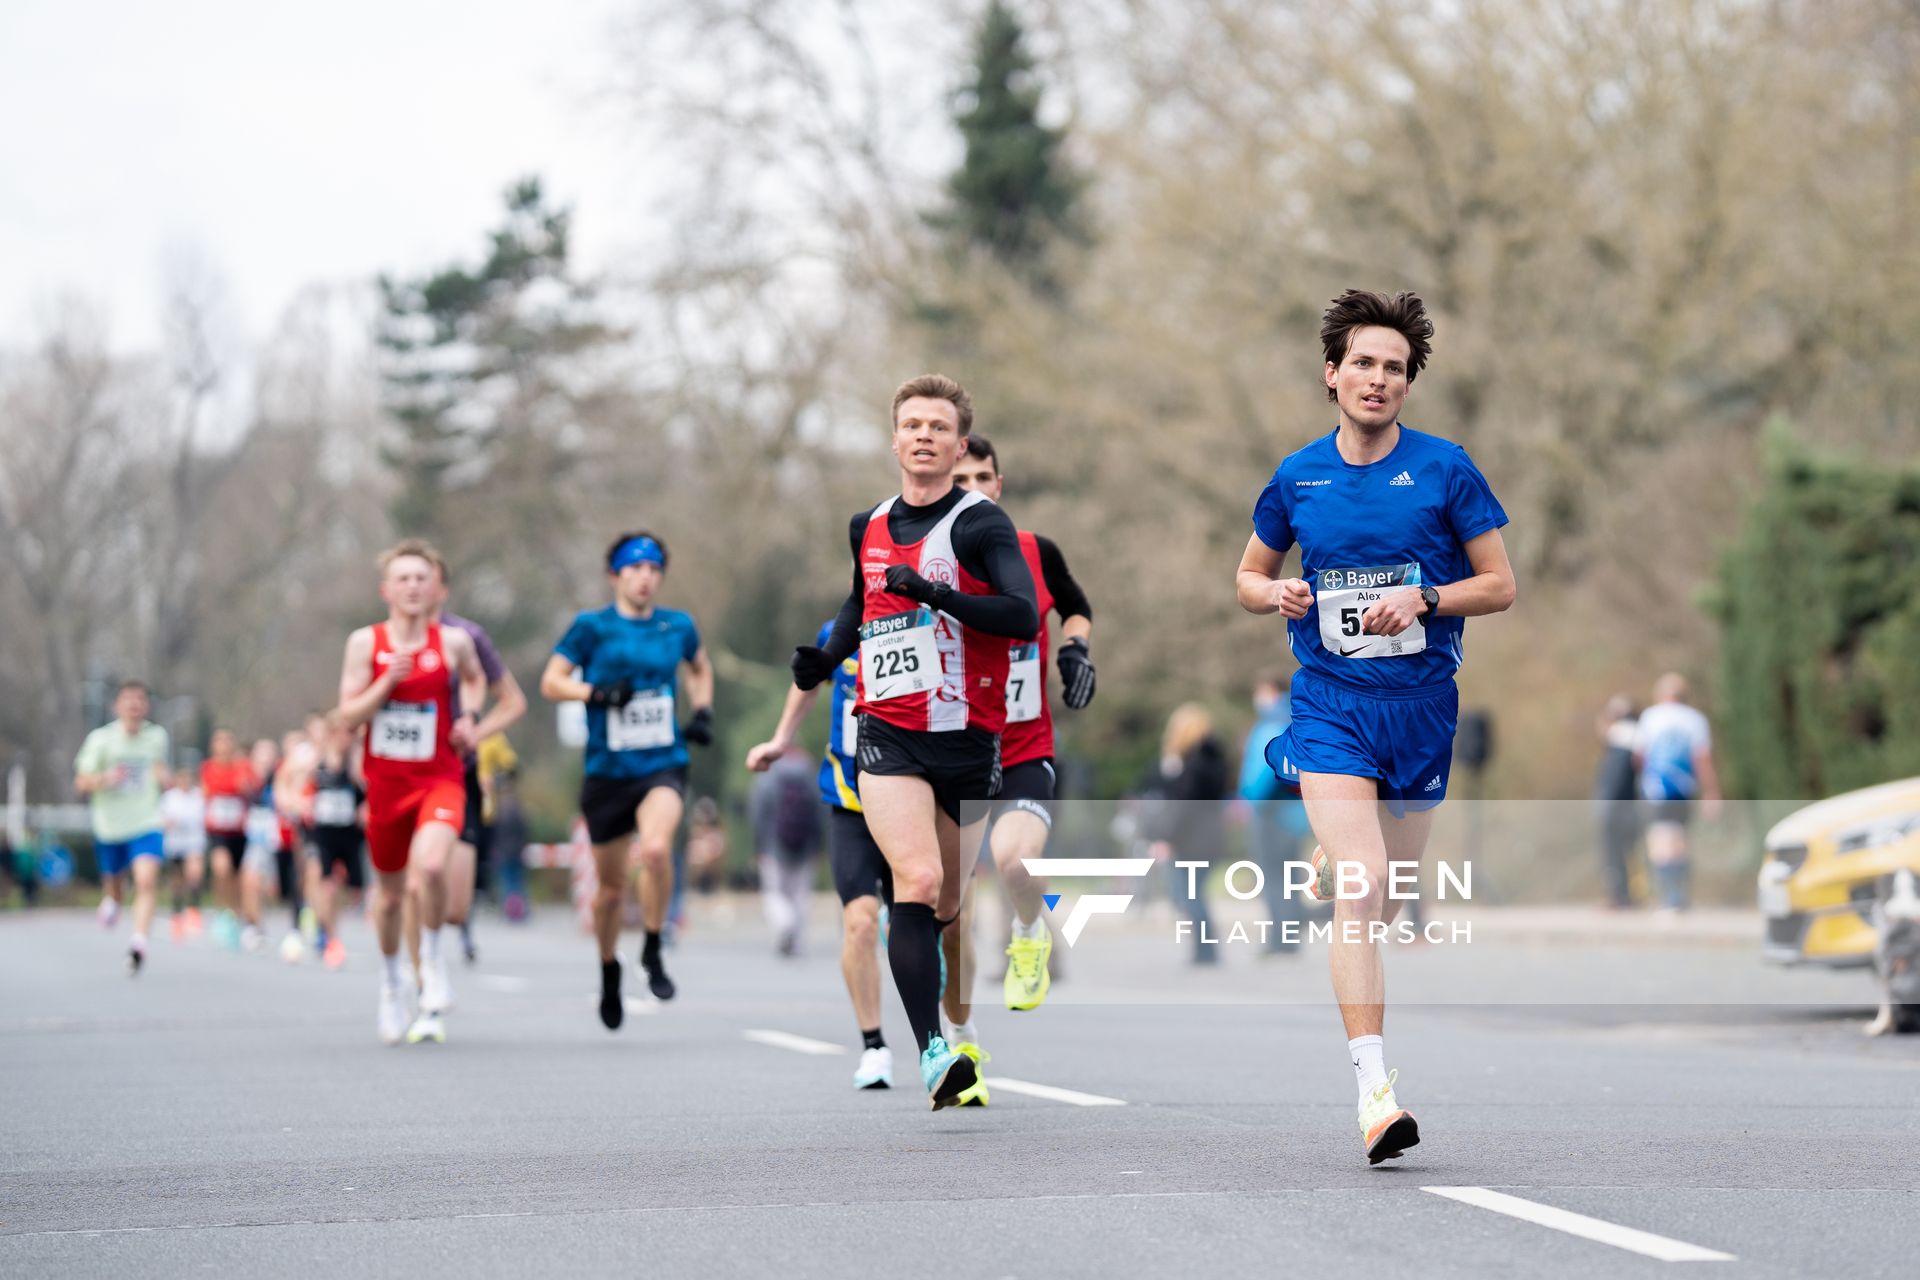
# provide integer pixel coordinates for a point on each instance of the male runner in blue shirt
(1400, 542)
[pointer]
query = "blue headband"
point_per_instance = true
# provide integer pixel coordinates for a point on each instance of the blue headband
(638, 551)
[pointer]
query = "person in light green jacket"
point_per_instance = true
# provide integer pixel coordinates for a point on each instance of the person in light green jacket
(122, 769)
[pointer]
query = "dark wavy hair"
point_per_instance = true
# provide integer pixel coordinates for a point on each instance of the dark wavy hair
(1404, 313)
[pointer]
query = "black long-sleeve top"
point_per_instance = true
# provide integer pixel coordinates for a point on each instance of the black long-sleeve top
(1069, 600)
(986, 546)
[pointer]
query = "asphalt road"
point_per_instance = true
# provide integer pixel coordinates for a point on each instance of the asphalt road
(229, 1114)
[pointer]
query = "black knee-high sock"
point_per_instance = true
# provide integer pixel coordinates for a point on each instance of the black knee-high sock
(913, 952)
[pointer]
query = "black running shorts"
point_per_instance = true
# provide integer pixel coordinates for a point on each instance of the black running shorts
(1027, 787)
(234, 842)
(339, 847)
(859, 868)
(960, 764)
(476, 806)
(611, 806)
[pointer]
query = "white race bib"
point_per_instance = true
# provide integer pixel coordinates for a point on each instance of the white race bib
(333, 807)
(1023, 683)
(226, 813)
(849, 724)
(644, 724)
(1345, 595)
(898, 655)
(404, 731)
(263, 828)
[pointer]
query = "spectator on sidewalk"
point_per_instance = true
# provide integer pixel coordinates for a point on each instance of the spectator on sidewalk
(787, 837)
(1673, 751)
(1184, 796)
(1276, 818)
(1616, 793)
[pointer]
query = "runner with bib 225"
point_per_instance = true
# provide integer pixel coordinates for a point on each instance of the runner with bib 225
(1399, 538)
(939, 587)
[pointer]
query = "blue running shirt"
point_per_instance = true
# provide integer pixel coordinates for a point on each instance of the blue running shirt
(1402, 521)
(839, 776)
(646, 653)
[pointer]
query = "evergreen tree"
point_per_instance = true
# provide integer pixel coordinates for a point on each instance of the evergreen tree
(482, 378)
(1819, 601)
(1013, 190)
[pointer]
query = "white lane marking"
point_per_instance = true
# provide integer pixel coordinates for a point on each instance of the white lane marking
(637, 1004)
(1578, 1224)
(799, 1044)
(1052, 1093)
(502, 982)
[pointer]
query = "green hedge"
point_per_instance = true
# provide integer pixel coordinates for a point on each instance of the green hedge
(1819, 604)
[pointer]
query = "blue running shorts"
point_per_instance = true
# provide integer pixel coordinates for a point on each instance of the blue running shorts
(1405, 741)
(115, 856)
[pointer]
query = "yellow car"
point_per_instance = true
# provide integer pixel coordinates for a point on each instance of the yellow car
(1824, 866)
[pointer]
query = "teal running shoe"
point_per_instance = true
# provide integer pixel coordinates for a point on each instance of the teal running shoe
(947, 1074)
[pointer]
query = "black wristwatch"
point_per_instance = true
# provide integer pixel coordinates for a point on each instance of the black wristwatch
(1432, 596)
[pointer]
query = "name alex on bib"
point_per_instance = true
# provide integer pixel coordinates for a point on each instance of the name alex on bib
(1343, 597)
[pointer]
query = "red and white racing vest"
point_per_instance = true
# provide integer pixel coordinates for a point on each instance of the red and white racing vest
(1029, 732)
(921, 669)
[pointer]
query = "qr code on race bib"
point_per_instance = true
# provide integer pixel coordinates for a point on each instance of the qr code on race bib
(1344, 596)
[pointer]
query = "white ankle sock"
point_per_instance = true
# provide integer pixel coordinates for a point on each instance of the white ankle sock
(390, 969)
(963, 1033)
(1369, 1055)
(1036, 930)
(430, 945)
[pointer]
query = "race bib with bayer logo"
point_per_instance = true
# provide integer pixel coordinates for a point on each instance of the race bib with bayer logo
(898, 655)
(1345, 595)
(644, 724)
(1023, 683)
(404, 731)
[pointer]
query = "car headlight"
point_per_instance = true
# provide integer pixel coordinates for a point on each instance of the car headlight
(1880, 834)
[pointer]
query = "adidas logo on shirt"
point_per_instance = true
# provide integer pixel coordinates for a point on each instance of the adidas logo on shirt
(1404, 478)
(1435, 784)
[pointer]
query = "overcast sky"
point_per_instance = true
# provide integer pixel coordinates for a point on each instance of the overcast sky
(288, 143)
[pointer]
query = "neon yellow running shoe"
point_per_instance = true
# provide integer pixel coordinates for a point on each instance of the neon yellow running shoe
(1027, 977)
(1386, 1129)
(976, 1094)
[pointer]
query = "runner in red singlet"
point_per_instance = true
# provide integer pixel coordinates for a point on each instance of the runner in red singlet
(398, 680)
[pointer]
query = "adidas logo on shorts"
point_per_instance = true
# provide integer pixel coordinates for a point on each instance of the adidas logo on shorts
(1404, 478)
(1435, 784)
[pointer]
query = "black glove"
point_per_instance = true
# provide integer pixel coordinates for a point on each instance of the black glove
(811, 666)
(699, 729)
(904, 580)
(617, 694)
(1076, 674)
